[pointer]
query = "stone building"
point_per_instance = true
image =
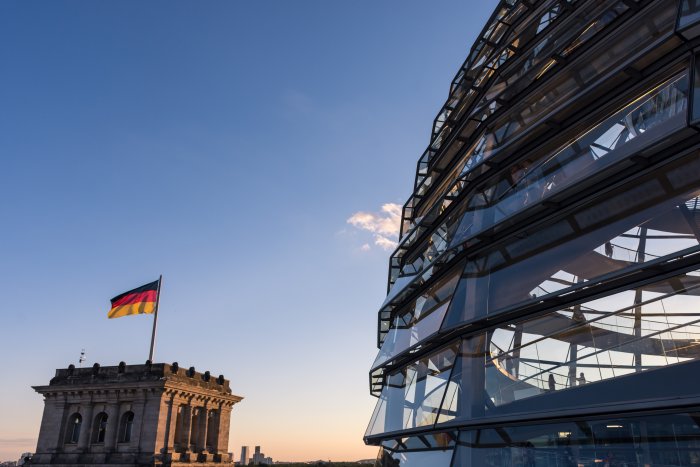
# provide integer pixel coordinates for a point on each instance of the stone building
(129, 415)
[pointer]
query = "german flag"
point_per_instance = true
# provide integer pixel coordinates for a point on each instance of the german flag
(141, 300)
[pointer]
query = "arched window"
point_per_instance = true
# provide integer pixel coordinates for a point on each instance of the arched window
(100, 428)
(126, 426)
(75, 421)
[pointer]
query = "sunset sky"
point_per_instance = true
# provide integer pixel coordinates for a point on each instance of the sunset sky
(254, 153)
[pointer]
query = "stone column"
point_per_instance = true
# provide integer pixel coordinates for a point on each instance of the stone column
(224, 427)
(195, 421)
(139, 409)
(187, 426)
(170, 428)
(86, 428)
(213, 429)
(202, 443)
(179, 425)
(165, 432)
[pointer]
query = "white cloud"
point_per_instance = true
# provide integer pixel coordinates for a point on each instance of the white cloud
(385, 243)
(365, 247)
(383, 225)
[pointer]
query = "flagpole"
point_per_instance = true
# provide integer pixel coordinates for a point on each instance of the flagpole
(155, 320)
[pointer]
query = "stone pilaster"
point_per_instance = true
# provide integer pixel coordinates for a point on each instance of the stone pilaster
(172, 423)
(224, 429)
(51, 440)
(169, 434)
(86, 429)
(186, 451)
(112, 426)
(162, 422)
(213, 430)
(204, 423)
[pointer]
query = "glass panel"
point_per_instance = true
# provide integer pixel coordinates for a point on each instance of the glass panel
(464, 395)
(565, 352)
(645, 220)
(538, 61)
(419, 319)
(480, 72)
(626, 43)
(695, 115)
(569, 82)
(629, 332)
(648, 118)
(689, 14)
(413, 459)
(404, 335)
(412, 395)
(652, 441)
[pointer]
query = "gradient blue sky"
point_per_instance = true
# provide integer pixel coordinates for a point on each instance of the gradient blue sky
(224, 145)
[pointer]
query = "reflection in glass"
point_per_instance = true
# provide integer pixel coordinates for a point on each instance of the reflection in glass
(571, 80)
(651, 116)
(412, 395)
(420, 319)
(648, 118)
(628, 332)
(624, 334)
(653, 441)
(689, 13)
(388, 458)
(644, 221)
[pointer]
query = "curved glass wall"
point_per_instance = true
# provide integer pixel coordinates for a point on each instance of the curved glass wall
(671, 440)
(414, 458)
(569, 82)
(549, 262)
(412, 395)
(649, 117)
(420, 319)
(565, 353)
(668, 440)
(640, 222)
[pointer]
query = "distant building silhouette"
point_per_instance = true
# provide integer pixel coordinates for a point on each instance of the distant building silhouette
(245, 450)
(257, 459)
